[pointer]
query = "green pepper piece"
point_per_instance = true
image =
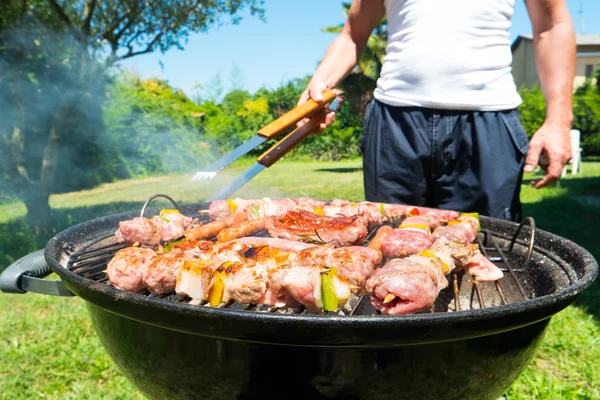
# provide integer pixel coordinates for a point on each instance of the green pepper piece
(381, 210)
(328, 292)
(169, 246)
(254, 210)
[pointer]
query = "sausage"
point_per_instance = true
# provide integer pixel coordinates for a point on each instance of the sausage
(213, 228)
(375, 243)
(241, 229)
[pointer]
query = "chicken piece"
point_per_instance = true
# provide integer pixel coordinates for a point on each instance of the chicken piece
(195, 279)
(172, 225)
(160, 276)
(483, 269)
(140, 230)
(405, 242)
(406, 285)
(354, 263)
(304, 284)
(125, 269)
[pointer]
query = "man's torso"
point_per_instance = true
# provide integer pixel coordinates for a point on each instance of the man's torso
(448, 54)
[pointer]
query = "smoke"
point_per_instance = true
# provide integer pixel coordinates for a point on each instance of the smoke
(69, 124)
(51, 96)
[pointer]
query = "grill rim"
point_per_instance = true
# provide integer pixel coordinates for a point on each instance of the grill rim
(54, 248)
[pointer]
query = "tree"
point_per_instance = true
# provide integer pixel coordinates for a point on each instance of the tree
(359, 84)
(53, 60)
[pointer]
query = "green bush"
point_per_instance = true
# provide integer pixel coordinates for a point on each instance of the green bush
(586, 114)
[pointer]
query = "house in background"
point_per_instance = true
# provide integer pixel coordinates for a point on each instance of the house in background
(523, 64)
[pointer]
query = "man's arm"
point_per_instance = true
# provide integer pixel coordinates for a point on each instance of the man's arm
(554, 42)
(345, 51)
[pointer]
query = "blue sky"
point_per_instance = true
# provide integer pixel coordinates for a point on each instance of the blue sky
(288, 45)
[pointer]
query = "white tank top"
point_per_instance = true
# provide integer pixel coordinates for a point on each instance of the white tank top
(449, 54)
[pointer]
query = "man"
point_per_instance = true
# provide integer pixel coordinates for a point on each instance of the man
(443, 130)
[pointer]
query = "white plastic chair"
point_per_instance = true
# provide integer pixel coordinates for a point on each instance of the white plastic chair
(576, 150)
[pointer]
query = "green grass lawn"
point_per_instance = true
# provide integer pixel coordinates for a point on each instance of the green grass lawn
(48, 347)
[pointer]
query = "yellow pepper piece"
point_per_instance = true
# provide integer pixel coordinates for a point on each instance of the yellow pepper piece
(418, 226)
(168, 211)
(319, 210)
(232, 206)
(430, 254)
(353, 204)
(455, 222)
(215, 296)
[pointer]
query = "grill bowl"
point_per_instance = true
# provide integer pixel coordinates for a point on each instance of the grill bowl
(177, 350)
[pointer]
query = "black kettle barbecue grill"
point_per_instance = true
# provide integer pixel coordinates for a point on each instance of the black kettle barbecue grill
(472, 344)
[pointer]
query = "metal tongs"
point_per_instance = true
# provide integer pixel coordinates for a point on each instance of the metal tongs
(332, 101)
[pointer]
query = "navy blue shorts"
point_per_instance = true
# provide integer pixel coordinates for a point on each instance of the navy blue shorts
(459, 160)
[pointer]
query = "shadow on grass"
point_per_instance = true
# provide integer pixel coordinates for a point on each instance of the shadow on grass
(340, 170)
(18, 239)
(568, 218)
(587, 185)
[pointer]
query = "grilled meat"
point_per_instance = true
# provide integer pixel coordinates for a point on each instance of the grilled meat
(172, 225)
(406, 285)
(282, 244)
(239, 270)
(241, 229)
(169, 225)
(213, 228)
(461, 232)
(160, 276)
(371, 213)
(375, 243)
(403, 286)
(353, 263)
(260, 208)
(410, 238)
(125, 269)
(303, 225)
(138, 230)
(483, 269)
(305, 285)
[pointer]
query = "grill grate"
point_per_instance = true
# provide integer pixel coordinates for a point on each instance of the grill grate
(90, 261)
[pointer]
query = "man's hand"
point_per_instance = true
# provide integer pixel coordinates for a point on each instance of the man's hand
(550, 148)
(314, 91)
(344, 52)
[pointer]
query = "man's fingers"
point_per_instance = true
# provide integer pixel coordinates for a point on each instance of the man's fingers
(329, 118)
(545, 181)
(303, 98)
(315, 91)
(533, 156)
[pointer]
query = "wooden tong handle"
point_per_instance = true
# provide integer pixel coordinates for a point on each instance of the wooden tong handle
(291, 117)
(286, 144)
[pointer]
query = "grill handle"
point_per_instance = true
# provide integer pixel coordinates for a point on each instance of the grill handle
(26, 275)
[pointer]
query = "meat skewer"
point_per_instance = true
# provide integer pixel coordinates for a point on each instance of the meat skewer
(126, 267)
(169, 225)
(413, 283)
(411, 237)
(377, 212)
